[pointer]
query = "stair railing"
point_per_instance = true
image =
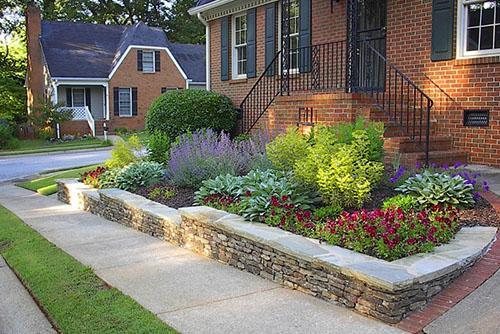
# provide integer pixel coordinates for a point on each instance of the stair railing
(402, 101)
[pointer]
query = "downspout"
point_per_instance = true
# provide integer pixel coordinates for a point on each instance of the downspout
(207, 50)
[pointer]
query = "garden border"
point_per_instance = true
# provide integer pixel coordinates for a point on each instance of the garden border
(388, 291)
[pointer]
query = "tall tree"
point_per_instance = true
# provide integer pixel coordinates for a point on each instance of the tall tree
(182, 27)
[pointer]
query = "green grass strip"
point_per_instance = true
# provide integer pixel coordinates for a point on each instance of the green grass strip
(47, 185)
(42, 146)
(75, 299)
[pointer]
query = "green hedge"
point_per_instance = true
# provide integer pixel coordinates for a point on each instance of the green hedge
(179, 111)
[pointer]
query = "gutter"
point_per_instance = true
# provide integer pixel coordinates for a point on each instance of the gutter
(198, 10)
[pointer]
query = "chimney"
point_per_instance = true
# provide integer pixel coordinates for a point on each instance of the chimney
(35, 82)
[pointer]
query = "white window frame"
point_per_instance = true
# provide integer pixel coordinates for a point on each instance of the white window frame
(462, 21)
(154, 61)
(292, 70)
(73, 97)
(234, 54)
(130, 98)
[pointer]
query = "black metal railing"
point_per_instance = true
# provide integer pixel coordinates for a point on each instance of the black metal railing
(261, 96)
(313, 68)
(403, 102)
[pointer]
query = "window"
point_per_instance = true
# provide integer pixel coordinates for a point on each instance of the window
(294, 34)
(480, 30)
(239, 46)
(148, 61)
(125, 102)
(167, 89)
(78, 97)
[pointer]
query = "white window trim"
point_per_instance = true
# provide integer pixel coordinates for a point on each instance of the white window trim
(154, 61)
(131, 107)
(292, 70)
(462, 52)
(73, 97)
(234, 57)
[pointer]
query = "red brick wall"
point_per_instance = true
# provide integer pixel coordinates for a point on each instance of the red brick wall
(76, 128)
(453, 85)
(458, 84)
(148, 87)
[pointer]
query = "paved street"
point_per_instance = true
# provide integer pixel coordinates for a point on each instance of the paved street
(15, 167)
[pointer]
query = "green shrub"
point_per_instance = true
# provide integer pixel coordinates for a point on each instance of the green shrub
(286, 149)
(403, 202)
(161, 193)
(180, 111)
(123, 153)
(6, 135)
(327, 212)
(158, 147)
(439, 189)
(108, 178)
(139, 174)
(121, 131)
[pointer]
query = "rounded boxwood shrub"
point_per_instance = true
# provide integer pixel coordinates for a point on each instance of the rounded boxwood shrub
(179, 111)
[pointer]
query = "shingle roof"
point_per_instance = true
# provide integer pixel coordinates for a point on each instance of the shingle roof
(203, 2)
(192, 60)
(83, 50)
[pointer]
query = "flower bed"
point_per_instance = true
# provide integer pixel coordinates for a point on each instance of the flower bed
(386, 290)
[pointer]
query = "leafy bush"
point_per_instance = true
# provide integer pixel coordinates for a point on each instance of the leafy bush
(404, 202)
(123, 154)
(253, 192)
(139, 174)
(286, 149)
(204, 155)
(392, 234)
(349, 178)
(92, 178)
(327, 212)
(108, 178)
(158, 147)
(180, 111)
(121, 131)
(439, 188)
(6, 135)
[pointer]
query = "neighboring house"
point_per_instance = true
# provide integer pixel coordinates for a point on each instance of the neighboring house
(106, 73)
(429, 69)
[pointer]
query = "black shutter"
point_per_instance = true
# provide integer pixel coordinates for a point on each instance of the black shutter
(443, 13)
(139, 60)
(305, 36)
(251, 43)
(134, 101)
(224, 48)
(87, 97)
(157, 61)
(116, 101)
(270, 37)
(163, 89)
(69, 98)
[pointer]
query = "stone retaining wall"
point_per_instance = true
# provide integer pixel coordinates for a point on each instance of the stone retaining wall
(385, 290)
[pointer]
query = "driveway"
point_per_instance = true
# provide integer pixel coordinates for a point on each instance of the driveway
(16, 167)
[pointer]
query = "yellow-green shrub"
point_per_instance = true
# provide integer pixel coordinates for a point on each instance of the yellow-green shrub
(123, 153)
(286, 149)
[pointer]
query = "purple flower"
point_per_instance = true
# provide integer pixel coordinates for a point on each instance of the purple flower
(418, 165)
(457, 165)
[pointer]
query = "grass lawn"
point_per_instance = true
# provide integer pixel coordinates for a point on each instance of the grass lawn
(47, 185)
(74, 298)
(42, 146)
(143, 136)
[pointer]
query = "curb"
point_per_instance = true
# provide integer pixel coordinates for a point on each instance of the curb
(461, 287)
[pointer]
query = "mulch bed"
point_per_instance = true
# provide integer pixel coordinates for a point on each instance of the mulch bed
(482, 214)
(184, 197)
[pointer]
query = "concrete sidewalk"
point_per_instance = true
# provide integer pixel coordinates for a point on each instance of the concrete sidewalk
(189, 292)
(18, 312)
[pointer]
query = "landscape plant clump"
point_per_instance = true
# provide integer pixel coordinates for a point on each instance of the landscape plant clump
(158, 147)
(430, 189)
(179, 111)
(206, 154)
(139, 174)
(92, 178)
(161, 193)
(123, 153)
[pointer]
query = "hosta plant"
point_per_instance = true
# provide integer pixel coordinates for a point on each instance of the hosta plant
(439, 188)
(226, 185)
(139, 174)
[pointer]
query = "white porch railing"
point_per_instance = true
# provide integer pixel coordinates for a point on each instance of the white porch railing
(81, 114)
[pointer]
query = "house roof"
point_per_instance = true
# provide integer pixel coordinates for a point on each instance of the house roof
(203, 2)
(84, 50)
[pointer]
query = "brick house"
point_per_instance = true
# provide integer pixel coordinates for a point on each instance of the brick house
(106, 73)
(429, 69)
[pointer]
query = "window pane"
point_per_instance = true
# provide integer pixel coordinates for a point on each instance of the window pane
(498, 12)
(488, 12)
(147, 61)
(486, 38)
(497, 37)
(474, 15)
(472, 39)
(124, 102)
(78, 97)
